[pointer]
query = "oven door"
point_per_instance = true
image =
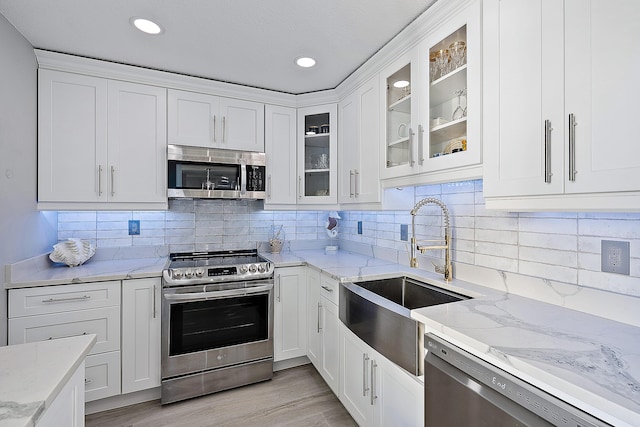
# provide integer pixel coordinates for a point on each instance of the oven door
(212, 326)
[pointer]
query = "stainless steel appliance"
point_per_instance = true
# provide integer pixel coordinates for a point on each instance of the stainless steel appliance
(210, 173)
(464, 390)
(217, 323)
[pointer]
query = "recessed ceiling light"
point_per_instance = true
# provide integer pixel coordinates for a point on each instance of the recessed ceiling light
(146, 26)
(401, 84)
(305, 62)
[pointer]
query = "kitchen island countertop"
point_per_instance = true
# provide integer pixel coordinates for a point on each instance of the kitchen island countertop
(32, 375)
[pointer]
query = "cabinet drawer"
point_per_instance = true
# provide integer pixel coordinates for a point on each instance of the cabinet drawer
(329, 289)
(62, 299)
(102, 376)
(104, 322)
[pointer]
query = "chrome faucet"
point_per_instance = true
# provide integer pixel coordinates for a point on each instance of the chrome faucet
(445, 269)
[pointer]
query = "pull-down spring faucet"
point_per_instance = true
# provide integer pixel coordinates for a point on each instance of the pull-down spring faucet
(445, 269)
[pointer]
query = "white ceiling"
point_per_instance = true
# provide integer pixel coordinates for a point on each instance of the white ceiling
(249, 42)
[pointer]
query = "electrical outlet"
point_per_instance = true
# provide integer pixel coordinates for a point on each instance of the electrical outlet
(404, 232)
(134, 227)
(359, 227)
(615, 256)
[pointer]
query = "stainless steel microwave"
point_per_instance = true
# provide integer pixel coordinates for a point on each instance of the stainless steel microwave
(210, 173)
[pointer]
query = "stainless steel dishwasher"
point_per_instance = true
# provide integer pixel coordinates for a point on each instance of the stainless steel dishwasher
(464, 390)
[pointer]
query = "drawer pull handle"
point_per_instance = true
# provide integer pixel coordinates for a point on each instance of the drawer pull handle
(55, 300)
(68, 336)
(87, 381)
(326, 288)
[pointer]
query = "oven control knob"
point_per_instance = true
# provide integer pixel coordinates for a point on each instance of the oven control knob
(176, 274)
(252, 268)
(261, 268)
(243, 269)
(199, 272)
(188, 274)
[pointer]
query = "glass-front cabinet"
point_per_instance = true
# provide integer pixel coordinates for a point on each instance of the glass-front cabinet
(317, 161)
(432, 106)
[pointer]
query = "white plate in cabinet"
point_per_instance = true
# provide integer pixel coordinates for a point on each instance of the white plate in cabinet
(104, 322)
(62, 299)
(102, 376)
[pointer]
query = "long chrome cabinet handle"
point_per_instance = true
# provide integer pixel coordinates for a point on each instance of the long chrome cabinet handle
(68, 336)
(351, 193)
(547, 151)
(572, 147)
(55, 300)
(214, 128)
(299, 187)
(373, 381)
(113, 173)
(99, 180)
(356, 182)
(269, 186)
(224, 128)
(326, 288)
(412, 161)
(420, 145)
(365, 359)
(153, 298)
(319, 308)
(278, 287)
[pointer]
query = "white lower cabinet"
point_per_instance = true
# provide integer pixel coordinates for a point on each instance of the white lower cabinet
(140, 334)
(289, 318)
(323, 327)
(67, 409)
(112, 366)
(374, 390)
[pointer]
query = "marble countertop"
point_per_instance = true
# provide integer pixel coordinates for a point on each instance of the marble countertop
(109, 265)
(588, 361)
(32, 375)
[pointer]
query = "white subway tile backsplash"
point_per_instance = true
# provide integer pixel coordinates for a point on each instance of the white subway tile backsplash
(552, 241)
(555, 272)
(549, 256)
(549, 225)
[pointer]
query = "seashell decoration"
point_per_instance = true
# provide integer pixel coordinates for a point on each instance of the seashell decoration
(73, 252)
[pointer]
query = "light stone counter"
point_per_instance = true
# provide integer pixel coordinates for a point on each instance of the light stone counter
(32, 375)
(590, 362)
(107, 264)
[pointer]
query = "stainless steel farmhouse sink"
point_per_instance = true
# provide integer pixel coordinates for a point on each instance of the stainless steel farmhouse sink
(379, 312)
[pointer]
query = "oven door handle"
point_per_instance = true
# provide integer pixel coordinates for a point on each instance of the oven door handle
(197, 296)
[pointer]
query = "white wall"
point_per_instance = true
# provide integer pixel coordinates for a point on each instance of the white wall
(24, 232)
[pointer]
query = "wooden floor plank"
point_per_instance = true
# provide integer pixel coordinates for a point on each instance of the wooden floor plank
(294, 397)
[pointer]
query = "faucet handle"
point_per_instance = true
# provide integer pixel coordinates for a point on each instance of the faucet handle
(440, 269)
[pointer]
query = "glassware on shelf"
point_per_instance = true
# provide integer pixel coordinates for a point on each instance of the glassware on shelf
(442, 61)
(459, 112)
(433, 66)
(457, 51)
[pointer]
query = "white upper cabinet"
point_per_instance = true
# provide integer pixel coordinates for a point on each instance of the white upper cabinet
(101, 143)
(317, 155)
(211, 121)
(280, 147)
(358, 145)
(558, 124)
(431, 100)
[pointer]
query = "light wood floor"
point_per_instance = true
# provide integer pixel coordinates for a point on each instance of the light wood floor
(294, 397)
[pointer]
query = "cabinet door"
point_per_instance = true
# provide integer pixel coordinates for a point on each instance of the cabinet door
(602, 94)
(280, 147)
(523, 89)
(314, 331)
(290, 328)
(193, 119)
(137, 149)
(102, 376)
(317, 155)
(140, 334)
(72, 137)
(355, 381)
(400, 396)
(67, 409)
(359, 145)
(242, 126)
(330, 351)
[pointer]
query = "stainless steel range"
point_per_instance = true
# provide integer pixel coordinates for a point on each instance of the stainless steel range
(217, 322)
